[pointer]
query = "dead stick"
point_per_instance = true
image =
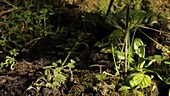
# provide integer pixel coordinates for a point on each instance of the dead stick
(7, 11)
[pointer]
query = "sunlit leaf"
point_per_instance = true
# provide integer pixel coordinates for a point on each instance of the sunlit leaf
(120, 55)
(71, 64)
(150, 63)
(167, 62)
(140, 80)
(141, 62)
(47, 72)
(124, 88)
(139, 93)
(139, 47)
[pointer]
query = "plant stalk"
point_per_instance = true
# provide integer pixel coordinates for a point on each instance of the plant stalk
(126, 40)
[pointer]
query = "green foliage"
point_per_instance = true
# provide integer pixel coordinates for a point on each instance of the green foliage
(23, 29)
(141, 80)
(10, 60)
(54, 75)
(138, 64)
(137, 78)
(139, 47)
(104, 87)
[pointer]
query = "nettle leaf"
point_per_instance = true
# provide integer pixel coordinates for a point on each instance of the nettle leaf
(140, 80)
(139, 47)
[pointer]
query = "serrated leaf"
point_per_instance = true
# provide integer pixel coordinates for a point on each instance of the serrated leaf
(140, 80)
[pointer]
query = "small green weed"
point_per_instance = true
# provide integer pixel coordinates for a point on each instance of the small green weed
(54, 75)
(10, 60)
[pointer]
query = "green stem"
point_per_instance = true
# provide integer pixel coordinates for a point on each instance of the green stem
(114, 60)
(69, 53)
(127, 31)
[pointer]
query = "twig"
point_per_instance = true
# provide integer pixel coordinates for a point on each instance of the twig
(10, 10)
(161, 32)
(7, 11)
(150, 28)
